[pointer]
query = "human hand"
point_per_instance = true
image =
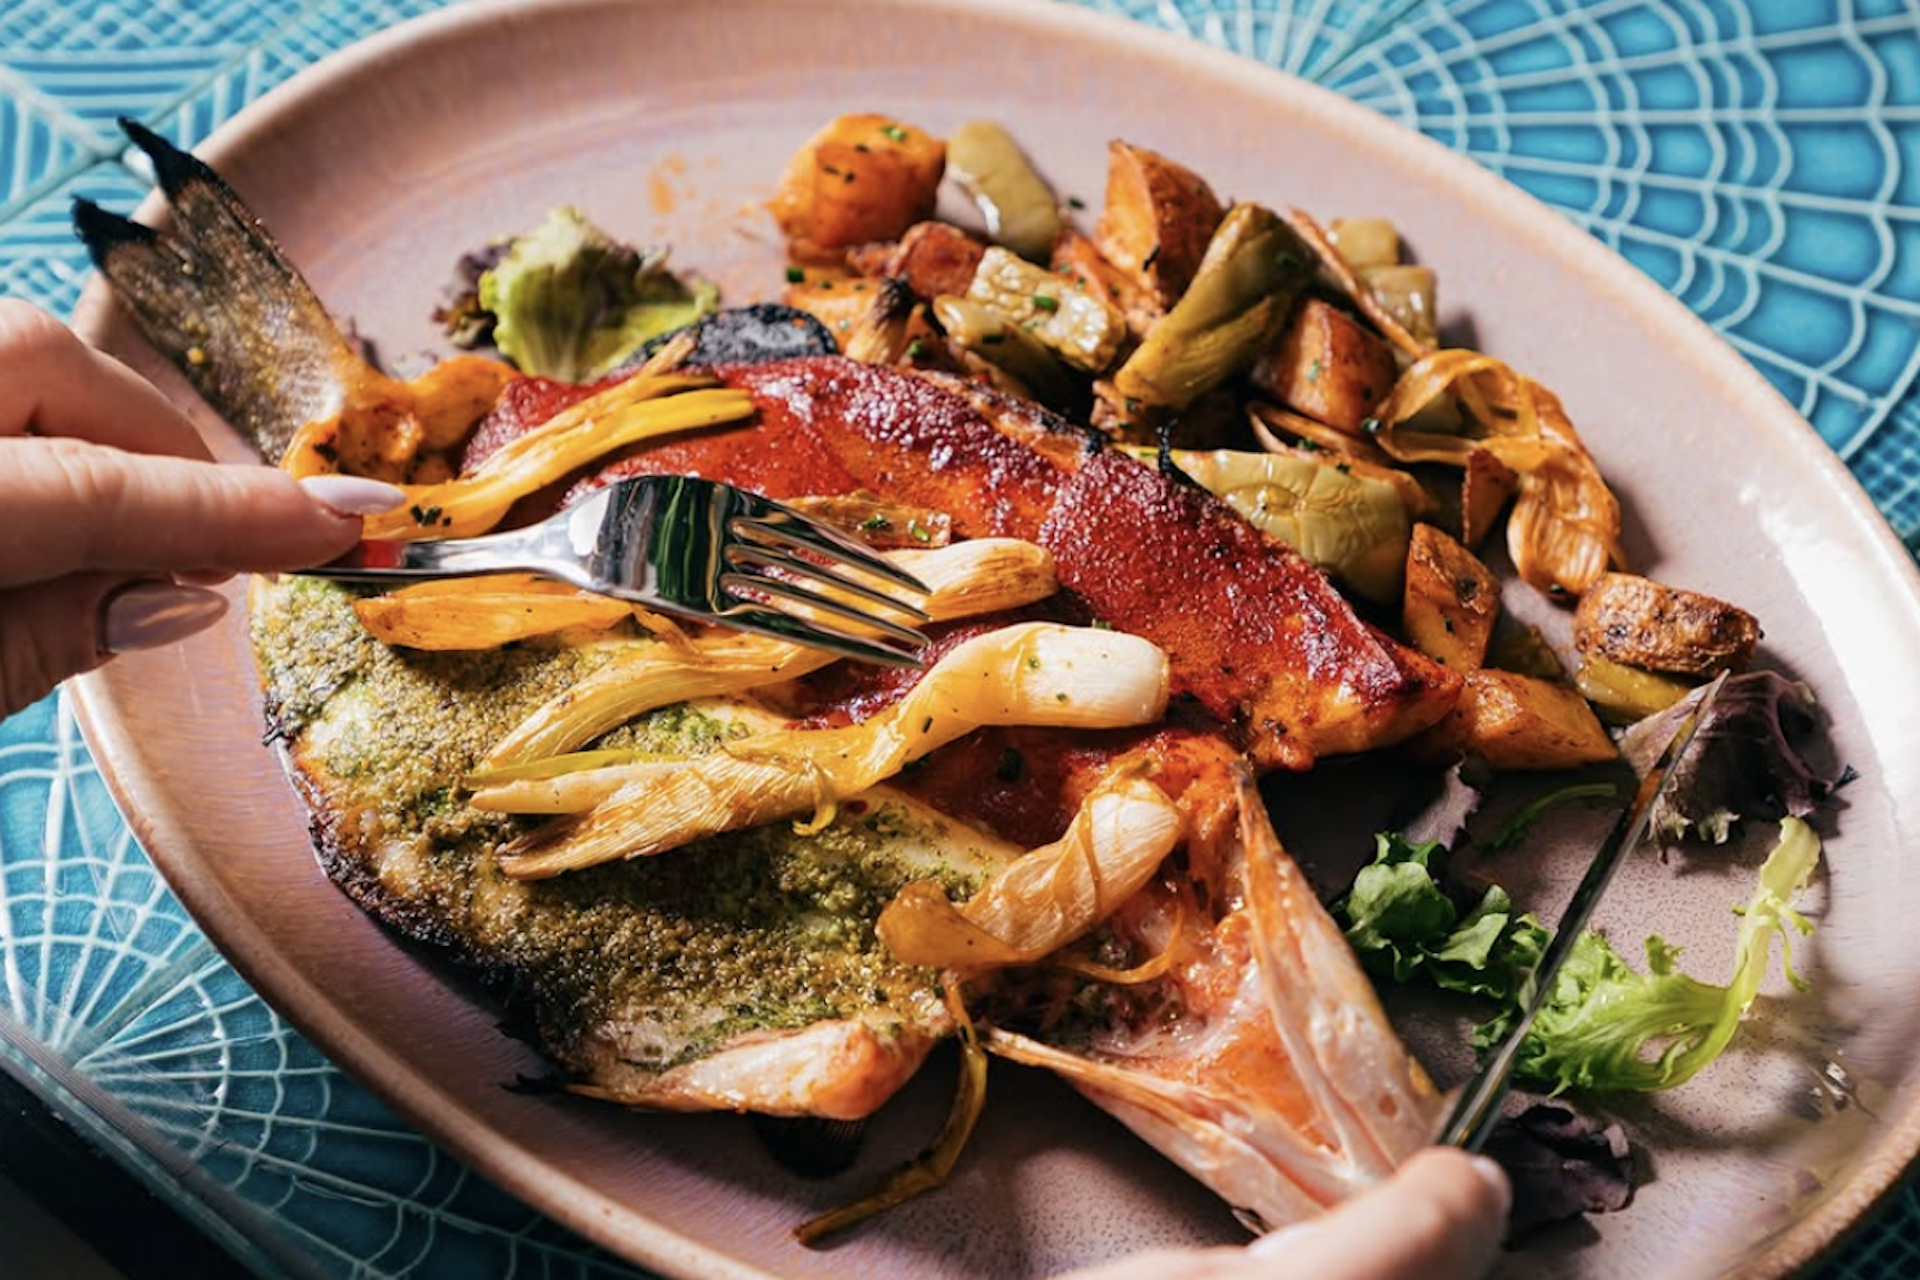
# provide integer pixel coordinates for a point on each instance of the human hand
(115, 521)
(1441, 1217)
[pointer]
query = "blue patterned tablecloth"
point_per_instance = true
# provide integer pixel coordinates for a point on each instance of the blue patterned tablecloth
(1760, 160)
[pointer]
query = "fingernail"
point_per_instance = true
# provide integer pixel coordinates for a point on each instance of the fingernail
(1490, 1172)
(1275, 1243)
(149, 614)
(353, 495)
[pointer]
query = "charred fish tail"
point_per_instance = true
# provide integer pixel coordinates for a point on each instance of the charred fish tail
(216, 295)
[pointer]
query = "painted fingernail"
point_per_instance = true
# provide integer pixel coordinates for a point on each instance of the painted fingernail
(1490, 1172)
(353, 495)
(149, 614)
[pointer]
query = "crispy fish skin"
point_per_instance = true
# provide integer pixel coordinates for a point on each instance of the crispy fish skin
(741, 973)
(1255, 634)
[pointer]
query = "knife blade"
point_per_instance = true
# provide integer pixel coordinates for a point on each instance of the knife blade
(1478, 1108)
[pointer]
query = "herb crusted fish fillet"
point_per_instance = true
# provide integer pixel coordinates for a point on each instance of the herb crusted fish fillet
(673, 982)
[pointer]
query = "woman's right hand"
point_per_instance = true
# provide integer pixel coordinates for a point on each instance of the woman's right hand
(114, 519)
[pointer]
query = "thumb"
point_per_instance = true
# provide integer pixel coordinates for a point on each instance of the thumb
(75, 507)
(52, 630)
(1441, 1217)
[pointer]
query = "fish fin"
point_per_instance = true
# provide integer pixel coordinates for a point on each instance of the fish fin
(218, 297)
(1371, 1095)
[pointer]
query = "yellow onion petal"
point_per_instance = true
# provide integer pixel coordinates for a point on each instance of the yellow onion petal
(1048, 898)
(1030, 674)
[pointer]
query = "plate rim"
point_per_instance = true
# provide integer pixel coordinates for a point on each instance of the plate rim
(248, 945)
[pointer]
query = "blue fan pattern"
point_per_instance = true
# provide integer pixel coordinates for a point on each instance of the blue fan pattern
(1760, 160)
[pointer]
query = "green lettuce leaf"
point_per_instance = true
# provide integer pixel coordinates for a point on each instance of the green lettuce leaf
(570, 302)
(1606, 1026)
(1404, 924)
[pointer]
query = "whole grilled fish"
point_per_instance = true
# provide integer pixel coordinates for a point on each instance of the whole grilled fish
(744, 972)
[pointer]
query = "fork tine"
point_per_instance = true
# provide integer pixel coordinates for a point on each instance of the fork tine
(778, 527)
(746, 586)
(786, 626)
(744, 557)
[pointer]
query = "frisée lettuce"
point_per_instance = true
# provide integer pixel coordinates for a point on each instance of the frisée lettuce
(1606, 1027)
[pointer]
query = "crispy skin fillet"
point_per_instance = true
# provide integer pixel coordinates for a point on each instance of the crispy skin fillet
(1255, 634)
(739, 973)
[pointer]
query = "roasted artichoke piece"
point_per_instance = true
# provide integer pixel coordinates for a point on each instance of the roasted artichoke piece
(1081, 328)
(1020, 209)
(1638, 622)
(1371, 247)
(1352, 526)
(990, 335)
(1254, 268)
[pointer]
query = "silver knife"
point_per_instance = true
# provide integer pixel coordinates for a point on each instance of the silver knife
(1478, 1108)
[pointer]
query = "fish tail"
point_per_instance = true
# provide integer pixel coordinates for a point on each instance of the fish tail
(217, 296)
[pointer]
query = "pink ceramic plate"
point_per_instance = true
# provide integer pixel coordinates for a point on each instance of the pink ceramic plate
(668, 122)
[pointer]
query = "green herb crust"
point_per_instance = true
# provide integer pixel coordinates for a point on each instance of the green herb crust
(661, 960)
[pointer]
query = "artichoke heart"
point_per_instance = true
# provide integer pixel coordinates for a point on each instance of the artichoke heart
(1354, 527)
(1080, 328)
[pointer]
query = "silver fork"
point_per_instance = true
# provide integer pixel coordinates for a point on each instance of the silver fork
(697, 549)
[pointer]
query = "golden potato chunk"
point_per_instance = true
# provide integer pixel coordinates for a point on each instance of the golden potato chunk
(1451, 600)
(1638, 622)
(1157, 221)
(1328, 366)
(1486, 486)
(1517, 722)
(862, 178)
(834, 298)
(932, 257)
(1077, 258)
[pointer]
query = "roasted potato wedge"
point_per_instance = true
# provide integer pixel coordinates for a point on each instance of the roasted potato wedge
(1486, 486)
(1079, 260)
(838, 300)
(1451, 600)
(1517, 722)
(1638, 622)
(861, 178)
(934, 258)
(1157, 221)
(1328, 365)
